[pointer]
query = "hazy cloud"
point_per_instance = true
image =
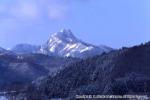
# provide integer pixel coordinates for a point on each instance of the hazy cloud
(25, 10)
(57, 11)
(33, 9)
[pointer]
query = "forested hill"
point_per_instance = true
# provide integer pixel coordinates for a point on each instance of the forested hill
(125, 71)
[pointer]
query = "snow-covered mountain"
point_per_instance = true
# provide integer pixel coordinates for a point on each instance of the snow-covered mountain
(63, 44)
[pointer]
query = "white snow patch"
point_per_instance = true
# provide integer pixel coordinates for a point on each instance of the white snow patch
(59, 41)
(68, 54)
(86, 49)
(52, 49)
(70, 46)
(69, 39)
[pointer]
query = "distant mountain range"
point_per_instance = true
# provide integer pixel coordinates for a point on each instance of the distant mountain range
(25, 63)
(63, 44)
(56, 69)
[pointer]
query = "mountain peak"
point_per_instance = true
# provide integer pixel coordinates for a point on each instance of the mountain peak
(64, 43)
(64, 35)
(66, 31)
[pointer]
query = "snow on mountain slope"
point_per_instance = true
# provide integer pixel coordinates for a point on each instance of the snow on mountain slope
(64, 43)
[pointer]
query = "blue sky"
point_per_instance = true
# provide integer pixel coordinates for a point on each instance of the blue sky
(114, 23)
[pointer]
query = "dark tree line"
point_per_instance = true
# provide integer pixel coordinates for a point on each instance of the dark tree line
(124, 71)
